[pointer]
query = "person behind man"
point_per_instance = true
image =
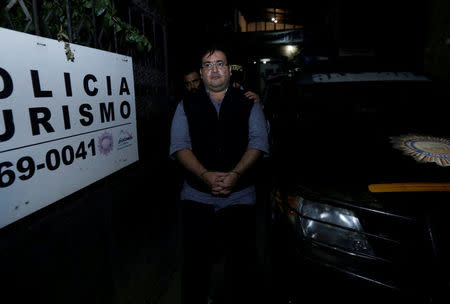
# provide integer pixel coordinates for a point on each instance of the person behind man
(192, 80)
(218, 135)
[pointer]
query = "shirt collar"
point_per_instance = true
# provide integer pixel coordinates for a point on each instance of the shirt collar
(209, 96)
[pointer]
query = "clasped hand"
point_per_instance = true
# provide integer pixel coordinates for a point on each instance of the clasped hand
(220, 183)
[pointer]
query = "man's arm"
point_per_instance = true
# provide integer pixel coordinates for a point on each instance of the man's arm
(190, 162)
(248, 160)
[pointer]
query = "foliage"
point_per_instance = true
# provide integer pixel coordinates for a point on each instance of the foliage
(17, 17)
(81, 17)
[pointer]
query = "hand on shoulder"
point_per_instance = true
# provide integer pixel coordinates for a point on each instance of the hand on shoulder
(252, 95)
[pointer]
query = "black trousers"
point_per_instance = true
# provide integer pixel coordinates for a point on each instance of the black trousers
(206, 236)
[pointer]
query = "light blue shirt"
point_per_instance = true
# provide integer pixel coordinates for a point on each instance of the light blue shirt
(257, 139)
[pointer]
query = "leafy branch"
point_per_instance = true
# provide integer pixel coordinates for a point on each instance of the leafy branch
(81, 15)
(132, 34)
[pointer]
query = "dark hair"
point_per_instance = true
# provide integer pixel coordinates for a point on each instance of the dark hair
(190, 70)
(213, 47)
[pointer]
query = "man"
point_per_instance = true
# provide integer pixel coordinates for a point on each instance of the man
(191, 80)
(218, 135)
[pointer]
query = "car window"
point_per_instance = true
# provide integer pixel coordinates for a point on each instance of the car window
(391, 107)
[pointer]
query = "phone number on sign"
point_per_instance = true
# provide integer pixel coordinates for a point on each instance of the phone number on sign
(27, 167)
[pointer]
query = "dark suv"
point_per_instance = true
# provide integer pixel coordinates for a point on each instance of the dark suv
(362, 179)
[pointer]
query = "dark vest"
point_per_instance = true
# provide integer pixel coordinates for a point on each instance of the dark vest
(218, 141)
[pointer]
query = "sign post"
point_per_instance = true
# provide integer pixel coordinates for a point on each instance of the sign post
(63, 124)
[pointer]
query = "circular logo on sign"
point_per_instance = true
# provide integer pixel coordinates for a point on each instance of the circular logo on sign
(105, 143)
(424, 148)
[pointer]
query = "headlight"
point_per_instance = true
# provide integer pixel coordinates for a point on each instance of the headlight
(330, 225)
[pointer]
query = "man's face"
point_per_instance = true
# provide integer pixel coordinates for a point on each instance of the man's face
(192, 81)
(215, 71)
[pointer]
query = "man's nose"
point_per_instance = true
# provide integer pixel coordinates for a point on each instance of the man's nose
(214, 67)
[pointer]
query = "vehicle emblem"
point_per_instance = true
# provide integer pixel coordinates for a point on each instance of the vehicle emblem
(424, 148)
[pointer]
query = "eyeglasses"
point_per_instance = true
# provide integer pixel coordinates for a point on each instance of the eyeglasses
(210, 65)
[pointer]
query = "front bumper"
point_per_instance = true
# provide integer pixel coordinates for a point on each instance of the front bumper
(403, 266)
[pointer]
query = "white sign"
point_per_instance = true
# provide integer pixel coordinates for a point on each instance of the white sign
(63, 124)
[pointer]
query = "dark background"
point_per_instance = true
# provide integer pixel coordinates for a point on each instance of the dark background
(398, 31)
(116, 241)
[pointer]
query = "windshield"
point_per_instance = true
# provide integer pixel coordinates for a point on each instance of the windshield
(393, 106)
